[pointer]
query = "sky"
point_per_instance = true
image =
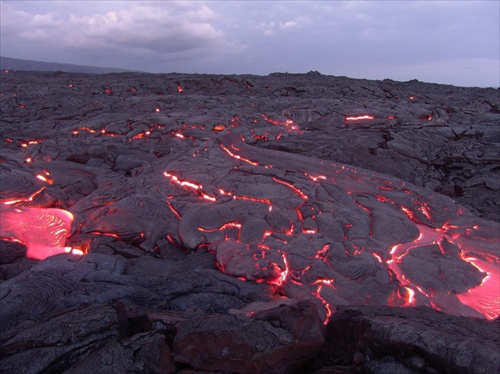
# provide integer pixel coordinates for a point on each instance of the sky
(453, 42)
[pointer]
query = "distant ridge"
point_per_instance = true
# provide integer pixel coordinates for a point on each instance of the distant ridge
(7, 63)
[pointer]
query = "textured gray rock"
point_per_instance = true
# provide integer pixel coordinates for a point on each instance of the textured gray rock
(64, 281)
(201, 208)
(57, 340)
(141, 353)
(274, 341)
(388, 340)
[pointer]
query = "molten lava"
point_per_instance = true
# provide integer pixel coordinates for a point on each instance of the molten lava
(42, 231)
(311, 228)
(358, 118)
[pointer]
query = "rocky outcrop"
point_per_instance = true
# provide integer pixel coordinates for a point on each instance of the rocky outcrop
(219, 223)
(389, 340)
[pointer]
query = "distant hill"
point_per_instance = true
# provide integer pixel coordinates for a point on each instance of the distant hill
(7, 63)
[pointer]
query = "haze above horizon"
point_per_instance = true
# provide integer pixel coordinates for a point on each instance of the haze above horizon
(450, 42)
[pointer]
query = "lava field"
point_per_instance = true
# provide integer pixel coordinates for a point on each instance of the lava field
(286, 223)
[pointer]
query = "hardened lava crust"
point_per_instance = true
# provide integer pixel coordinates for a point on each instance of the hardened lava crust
(162, 223)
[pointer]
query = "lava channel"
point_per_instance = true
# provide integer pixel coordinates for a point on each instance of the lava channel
(42, 231)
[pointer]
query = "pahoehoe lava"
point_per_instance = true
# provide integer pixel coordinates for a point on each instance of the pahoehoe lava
(203, 203)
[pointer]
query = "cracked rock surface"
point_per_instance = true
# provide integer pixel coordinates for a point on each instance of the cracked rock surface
(247, 224)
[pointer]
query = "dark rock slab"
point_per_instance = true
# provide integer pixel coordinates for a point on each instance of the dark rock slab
(141, 353)
(64, 281)
(57, 340)
(388, 340)
(276, 341)
(206, 198)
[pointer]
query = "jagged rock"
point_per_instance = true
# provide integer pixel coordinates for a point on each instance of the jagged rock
(64, 281)
(141, 353)
(203, 201)
(275, 341)
(410, 341)
(55, 341)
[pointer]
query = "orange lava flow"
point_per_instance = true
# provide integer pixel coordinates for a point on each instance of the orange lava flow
(357, 118)
(484, 298)
(238, 157)
(289, 124)
(42, 231)
(294, 189)
(447, 247)
(281, 243)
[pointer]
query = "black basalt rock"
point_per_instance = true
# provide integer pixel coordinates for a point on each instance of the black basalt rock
(287, 223)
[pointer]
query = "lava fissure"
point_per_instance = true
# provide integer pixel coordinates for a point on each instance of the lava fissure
(311, 228)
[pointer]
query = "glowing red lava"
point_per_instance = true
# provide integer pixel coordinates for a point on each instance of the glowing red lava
(42, 231)
(358, 118)
(312, 228)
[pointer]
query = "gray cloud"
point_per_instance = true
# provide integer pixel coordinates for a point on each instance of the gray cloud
(163, 28)
(158, 28)
(441, 41)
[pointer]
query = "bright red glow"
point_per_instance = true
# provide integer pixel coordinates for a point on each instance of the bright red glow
(325, 303)
(408, 212)
(255, 199)
(290, 124)
(358, 118)
(84, 129)
(104, 132)
(238, 157)
(379, 259)
(219, 127)
(23, 199)
(283, 275)
(26, 143)
(295, 189)
(207, 197)
(105, 234)
(223, 227)
(42, 231)
(411, 297)
(188, 184)
(322, 252)
(173, 209)
(77, 252)
(315, 179)
(324, 281)
(485, 297)
(309, 231)
(295, 229)
(42, 178)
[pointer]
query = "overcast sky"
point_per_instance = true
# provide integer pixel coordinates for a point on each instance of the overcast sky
(455, 42)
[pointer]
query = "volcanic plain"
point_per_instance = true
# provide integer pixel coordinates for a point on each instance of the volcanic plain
(162, 223)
